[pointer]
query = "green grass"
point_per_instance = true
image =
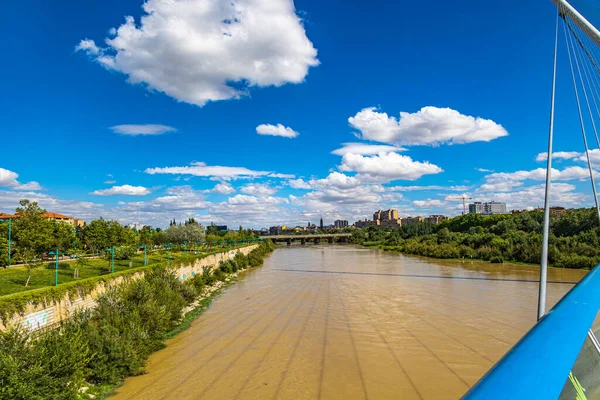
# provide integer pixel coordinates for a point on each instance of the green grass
(12, 280)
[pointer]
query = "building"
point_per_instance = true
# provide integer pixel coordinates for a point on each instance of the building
(436, 219)
(221, 228)
(340, 223)
(78, 223)
(136, 225)
(487, 208)
(275, 230)
(411, 220)
(365, 223)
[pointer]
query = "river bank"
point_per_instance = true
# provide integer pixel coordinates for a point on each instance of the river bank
(91, 352)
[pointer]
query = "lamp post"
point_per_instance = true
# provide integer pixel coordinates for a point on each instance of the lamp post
(112, 262)
(9, 233)
(145, 258)
(56, 269)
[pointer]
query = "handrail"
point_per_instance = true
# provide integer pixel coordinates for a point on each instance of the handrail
(539, 364)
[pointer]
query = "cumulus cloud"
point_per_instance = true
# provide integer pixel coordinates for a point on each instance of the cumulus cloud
(9, 179)
(276, 130)
(201, 169)
(207, 50)
(223, 188)
(126, 190)
(146, 129)
(428, 126)
(430, 187)
(258, 189)
(299, 184)
(28, 186)
(429, 203)
(365, 149)
(506, 181)
(386, 167)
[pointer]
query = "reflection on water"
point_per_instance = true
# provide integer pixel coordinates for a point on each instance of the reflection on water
(342, 322)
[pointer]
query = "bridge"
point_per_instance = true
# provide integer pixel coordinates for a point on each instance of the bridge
(316, 238)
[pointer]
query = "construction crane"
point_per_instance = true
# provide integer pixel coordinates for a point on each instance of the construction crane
(463, 198)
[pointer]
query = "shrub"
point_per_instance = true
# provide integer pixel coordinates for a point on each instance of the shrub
(63, 266)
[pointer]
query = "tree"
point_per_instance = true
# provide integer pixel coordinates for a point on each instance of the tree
(33, 235)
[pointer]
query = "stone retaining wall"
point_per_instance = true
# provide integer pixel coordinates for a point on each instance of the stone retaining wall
(45, 317)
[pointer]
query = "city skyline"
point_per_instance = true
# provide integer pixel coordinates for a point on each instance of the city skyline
(328, 122)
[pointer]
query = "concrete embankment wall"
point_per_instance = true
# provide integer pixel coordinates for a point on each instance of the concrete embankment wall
(45, 316)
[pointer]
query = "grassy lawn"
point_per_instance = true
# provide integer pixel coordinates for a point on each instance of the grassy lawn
(12, 280)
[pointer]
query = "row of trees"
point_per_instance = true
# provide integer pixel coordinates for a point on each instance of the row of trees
(574, 240)
(32, 235)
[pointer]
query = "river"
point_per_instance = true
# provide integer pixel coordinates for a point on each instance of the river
(345, 322)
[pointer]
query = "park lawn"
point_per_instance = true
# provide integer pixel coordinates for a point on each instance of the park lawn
(12, 280)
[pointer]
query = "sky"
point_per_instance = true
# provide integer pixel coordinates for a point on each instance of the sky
(269, 112)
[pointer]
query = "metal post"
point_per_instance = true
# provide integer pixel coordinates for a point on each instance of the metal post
(546, 232)
(112, 262)
(145, 257)
(9, 232)
(56, 269)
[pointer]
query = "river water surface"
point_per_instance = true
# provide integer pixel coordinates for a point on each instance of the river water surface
(344, 322)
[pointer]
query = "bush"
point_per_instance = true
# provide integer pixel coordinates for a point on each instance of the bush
(63, 266)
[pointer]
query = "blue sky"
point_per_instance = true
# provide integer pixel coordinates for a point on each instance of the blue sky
(471, 80)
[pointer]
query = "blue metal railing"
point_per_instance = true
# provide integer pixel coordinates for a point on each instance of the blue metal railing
(538, 366)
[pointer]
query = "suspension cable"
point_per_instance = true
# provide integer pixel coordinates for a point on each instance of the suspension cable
(587, 151)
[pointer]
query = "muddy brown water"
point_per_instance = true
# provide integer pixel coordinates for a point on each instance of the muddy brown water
(344, 322)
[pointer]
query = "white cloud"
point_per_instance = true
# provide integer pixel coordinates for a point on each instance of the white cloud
(282, 176)
(428, 126)
(88, 46)
(386, 167)
(506, 181)
(28, 186)
(299, 184)
(335, 180)
(431, 187)
(258, 189)
(127, 190)
(276, 130)
(484, 170)
(564, 155)
(201, 169)
(365, 149)
(429, 203)
(110, 182)
(8, 178)
(223, 188)
(147, 129)
(206, 50)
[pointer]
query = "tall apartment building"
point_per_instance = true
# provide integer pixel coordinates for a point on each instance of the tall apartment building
(340, 223)
(487, 208)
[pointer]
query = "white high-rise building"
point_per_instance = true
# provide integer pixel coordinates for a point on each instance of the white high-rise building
(487, 208)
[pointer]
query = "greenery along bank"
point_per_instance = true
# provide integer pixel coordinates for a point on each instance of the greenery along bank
(574, 240)
(96, 349)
